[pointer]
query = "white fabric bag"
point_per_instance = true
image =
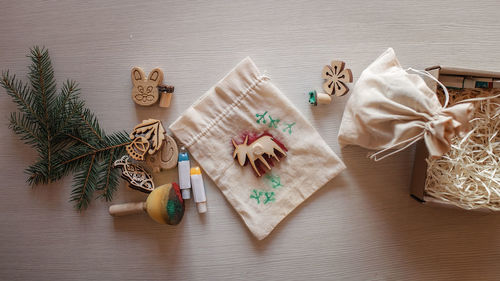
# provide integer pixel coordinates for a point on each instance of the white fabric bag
(247, 103)
(390, 108)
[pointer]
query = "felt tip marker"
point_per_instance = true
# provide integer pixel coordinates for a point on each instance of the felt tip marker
(184, 176)
(198, 190)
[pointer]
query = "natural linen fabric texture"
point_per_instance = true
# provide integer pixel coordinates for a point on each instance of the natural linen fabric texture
(237, 105)
(390, 108)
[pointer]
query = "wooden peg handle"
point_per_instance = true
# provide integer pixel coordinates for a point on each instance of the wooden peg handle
(324, 98)
(165, 99)
(166, 95)
(119, 210)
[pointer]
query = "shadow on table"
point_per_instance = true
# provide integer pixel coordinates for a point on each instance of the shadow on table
(422, 239)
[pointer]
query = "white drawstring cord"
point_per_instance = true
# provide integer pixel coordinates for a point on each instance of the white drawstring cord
(409, 142)
(426, 73)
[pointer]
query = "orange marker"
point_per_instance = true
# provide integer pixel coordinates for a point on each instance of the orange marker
(198, 190)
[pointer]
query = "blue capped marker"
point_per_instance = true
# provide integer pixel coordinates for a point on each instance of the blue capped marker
(184, 174)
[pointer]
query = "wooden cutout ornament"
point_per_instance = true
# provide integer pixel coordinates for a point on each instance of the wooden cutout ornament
(145, 90)
(262, 148)
(147, 137)
(166, 158)
(135, 175)
(336, 76)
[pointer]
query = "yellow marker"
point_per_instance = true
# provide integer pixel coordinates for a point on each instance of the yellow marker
(164, 205)
(198, 190)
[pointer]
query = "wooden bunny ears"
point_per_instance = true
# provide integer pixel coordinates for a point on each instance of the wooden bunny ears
(145, 91)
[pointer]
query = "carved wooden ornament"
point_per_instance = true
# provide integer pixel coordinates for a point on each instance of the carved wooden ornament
(166, 158)
(262, 148)
(147, 137)
(145, 90)
(137, 177)
(336, 76)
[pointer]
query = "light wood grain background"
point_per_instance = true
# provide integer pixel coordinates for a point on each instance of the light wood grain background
(363, 225)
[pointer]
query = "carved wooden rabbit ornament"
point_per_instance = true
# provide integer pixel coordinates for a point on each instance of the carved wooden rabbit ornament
(262, 148)
(145, 90)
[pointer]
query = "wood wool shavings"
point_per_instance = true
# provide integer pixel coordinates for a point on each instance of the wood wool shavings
(468, 176)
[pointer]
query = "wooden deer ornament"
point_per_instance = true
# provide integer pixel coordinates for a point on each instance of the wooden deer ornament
(145, 90)
(261, 148)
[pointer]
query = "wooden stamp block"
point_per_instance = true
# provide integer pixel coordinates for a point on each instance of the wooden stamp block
(166, 93)
(316, 98)
(135, 175)
(263, 148)
(147, 137)
(145, 90)
(336, 77)
(166, 158)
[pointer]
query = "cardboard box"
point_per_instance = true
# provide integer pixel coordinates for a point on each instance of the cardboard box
(419, 175)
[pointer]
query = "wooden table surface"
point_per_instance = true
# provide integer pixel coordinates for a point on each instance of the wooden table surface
(362, 225)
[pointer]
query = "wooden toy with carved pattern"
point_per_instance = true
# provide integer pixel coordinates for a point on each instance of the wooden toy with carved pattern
(137, 177)
(145, 90)
(166, 158)
(147, 137)
(336, 77)
(262, 148)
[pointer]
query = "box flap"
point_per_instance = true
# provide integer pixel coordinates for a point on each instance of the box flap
(465, 72)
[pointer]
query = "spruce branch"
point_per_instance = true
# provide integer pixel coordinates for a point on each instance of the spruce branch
(38, 173)
(90, 123)
(85, 183)
(43, 88)
(110, 181)
(21, 95)
(22, 125)
(81, 141)
(98, 151)
(66, 134)
(69, 104)
(43, 85)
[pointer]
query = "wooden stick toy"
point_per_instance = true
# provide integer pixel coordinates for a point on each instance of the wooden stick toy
(164, 205)
(145, 90)
(135, 175)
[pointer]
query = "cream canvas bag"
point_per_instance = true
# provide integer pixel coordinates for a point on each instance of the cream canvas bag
(246, 103)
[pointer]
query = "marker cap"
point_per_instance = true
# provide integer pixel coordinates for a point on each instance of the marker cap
(195, 171)
(202, 207)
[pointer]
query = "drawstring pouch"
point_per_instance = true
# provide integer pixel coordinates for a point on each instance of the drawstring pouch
(391, 108)
(245, 118)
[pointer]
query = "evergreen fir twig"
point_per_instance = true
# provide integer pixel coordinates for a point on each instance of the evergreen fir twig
(66, 134)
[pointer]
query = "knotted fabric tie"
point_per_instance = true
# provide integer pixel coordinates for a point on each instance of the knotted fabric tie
(439, 131)
(450, 122)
